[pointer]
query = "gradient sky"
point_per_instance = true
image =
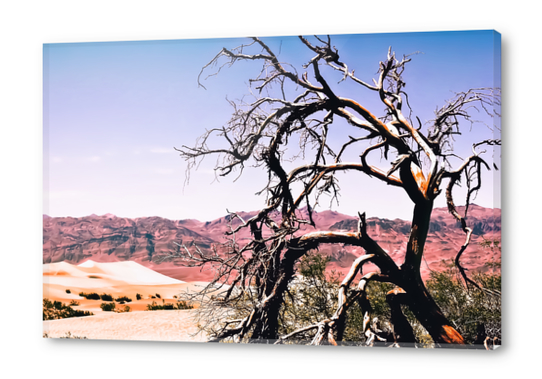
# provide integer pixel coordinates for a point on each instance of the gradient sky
(114, 111)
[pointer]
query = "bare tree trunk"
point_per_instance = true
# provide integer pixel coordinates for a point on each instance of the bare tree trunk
(430, 316)
(419, 300)
(266, 327)
(402, 330)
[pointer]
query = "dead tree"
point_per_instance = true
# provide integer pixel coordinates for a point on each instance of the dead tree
(416, 159)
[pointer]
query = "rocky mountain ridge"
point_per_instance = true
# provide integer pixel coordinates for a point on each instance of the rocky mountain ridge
(147, 240)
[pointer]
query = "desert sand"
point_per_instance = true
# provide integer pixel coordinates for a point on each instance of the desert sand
(119, 279)
(172, 325)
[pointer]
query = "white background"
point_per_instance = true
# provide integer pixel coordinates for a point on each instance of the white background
(26, 25)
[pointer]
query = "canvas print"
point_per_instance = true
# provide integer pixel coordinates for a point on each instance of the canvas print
(314, 190)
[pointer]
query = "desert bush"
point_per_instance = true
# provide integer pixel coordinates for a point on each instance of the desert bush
(469, 309)
(53, 310)
(313, 296)
(158, 296)
(125, 299)
(106, 297)
(107, 307)
(90, 296)
(68, 291)
(74, 303)
(124, 309)
(154, 306)
(138, 296)
(181, 304)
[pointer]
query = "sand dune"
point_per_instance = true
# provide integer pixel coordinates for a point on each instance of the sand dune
(119, 279)
(128, 272)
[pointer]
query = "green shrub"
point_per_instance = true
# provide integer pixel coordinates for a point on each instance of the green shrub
(54, 310)
(107, 307)
(468, 310)
(312, 297)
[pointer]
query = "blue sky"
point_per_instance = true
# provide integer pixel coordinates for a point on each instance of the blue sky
(114, 111)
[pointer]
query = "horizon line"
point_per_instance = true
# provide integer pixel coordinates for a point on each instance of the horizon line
(183, 219)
